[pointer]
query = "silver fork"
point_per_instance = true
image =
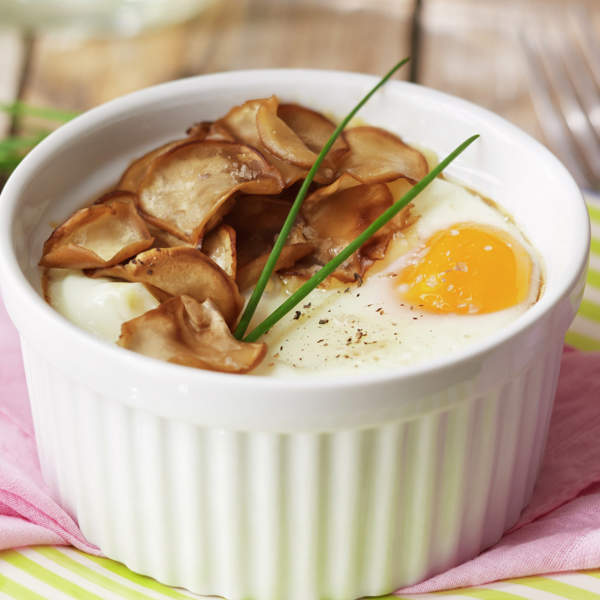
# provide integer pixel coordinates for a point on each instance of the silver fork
(563, 60)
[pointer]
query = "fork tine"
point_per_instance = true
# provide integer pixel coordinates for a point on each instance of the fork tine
(549, 114)
(580, 20)
(557, 70)
(586, 78)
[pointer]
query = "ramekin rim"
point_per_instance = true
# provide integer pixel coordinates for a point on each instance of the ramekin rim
(10, 272)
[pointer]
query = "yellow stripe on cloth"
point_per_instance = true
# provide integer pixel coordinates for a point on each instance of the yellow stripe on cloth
(554, 586)
(90, 575)
(122, 571)
(16, 590)
(46, 576)
(590, 310)
(594, 213)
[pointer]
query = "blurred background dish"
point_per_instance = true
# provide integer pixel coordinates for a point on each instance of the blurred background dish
(76, 54)
(99, 17)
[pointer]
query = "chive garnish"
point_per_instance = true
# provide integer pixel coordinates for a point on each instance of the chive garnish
(354, 245)
(13, 149)
(291, 217)
(51, 114)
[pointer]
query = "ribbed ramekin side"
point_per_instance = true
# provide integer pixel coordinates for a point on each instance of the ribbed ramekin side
(304, 515)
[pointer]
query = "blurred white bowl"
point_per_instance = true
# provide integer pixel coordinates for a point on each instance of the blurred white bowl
(99, 17)
(252, 487)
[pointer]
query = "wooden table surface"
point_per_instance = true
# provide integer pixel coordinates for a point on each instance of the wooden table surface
(466, 47)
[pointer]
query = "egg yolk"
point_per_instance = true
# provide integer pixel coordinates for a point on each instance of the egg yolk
(468, 269)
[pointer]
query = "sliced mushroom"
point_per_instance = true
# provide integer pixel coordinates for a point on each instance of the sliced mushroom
(257, 220)
(314, 129)
(179, 271)
(187, 332)
(219, 246)
(334, 215)
(378, 156)
(290, 255)
(199, 130)
(98, 236)
(137, 170)
(164, 239)
(187, 189)
(344, 182)
(278, 138)
(122, 195)
(241, 121)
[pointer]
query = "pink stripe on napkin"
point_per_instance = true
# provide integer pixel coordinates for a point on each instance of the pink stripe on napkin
(28, 513)
(558, 531)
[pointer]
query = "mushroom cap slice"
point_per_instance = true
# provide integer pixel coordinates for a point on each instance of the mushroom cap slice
(199, 130)
(137, 170)
(279, 138)
(122, 195)
(100, 235)
(334, 215)
(248, 275)
(219, 246)
(314, 129)
(182, 271)
(209, 130)
(187, 332)
(187, 188)
(257, 220)
(164, 239)
(134, 174)
(378, 156)
(241, 122)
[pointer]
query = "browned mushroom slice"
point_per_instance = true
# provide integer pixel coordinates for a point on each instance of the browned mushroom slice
(137, 170)
(314, 129)
(279, 139)
(179, 271)
(342, 183)
(199, 130)
(187, 332)
(378, 156)
(257, 220)
(219, 246)
(98, 236)
(187, 189)
(290, 255)
(164, 239)
(208, 130)
(122, 195)
(219, 133)
(240, 121)
(336, 214)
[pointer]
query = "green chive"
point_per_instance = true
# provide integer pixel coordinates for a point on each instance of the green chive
(291, 217)
(14, 148)
(354, 245)
(52, 114)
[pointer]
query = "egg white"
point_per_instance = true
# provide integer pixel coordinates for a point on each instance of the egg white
(361, 329)
(99, 306)
(339, 330)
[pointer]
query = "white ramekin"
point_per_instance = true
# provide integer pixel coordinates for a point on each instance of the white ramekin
(306, 488)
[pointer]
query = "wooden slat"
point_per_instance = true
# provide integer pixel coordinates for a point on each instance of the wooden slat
(471, 48)
(11, 63)
(230, 34)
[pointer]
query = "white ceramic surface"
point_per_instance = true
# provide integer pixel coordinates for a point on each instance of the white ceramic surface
(306, 488)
